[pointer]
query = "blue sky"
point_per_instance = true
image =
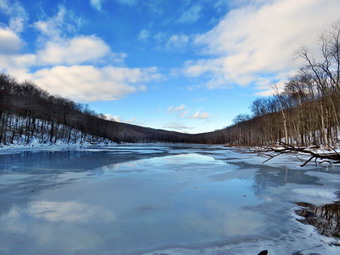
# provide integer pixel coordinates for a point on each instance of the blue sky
(189, 65)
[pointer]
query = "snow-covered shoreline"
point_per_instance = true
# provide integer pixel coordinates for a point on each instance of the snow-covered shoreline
(58, 146)
(260, 155)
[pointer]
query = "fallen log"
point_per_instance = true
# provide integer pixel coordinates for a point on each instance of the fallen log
(331, 158)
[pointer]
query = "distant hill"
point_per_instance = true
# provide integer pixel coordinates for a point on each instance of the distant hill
(27, 112)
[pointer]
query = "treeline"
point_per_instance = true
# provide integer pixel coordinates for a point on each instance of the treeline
(306, 112)
(27, 112)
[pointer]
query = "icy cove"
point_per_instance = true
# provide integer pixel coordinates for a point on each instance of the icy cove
(158, 199)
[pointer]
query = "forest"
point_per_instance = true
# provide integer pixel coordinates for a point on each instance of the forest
(305, 112)
(29, 113)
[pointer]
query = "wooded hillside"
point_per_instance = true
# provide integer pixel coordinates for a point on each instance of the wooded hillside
(307, 110)
(27, 112)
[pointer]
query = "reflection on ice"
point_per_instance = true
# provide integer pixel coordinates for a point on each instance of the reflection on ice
(155, 200)
(64, 212)
(229, 223)
(316, 195)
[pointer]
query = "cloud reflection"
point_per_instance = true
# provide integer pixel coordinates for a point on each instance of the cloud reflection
(74, 212)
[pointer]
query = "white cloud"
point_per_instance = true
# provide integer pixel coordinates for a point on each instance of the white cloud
(144, 35)
(52, 27)
(9, 41)
(73, 51)
(112, 117)
(176, 126)
(199, 67)
(176, 108)
(11, 61)
(16, 65)
(116, 118)
(181, 111)
(257, 40)
(183, 114)
(191, 15)
(65, 65)
(165, 41)
(57, 47)
(266, 86)
(59, 26)
(222, 4)
(159, 37)
(177, 41)
(127, 2)
(88, 83)
(155, 7)
(200, 115)
(85, 83)
(97, 4)
(17, 13)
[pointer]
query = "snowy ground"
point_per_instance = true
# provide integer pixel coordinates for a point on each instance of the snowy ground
(34, 145)
(158, 199)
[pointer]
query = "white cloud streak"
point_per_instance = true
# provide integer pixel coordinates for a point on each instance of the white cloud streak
(66, 65)
(52, 27)
(117, 118)
(184, 113)
(191, 15)
(112, 117)
(69, 75)
(176, 108)
(257, 41)
(144, 35)
(176, 126)
(76, 50)
(128, 2)
(96, 4)
(89, 83)
(177, 42)
(58, 27)
(200, 115)
(17, 13)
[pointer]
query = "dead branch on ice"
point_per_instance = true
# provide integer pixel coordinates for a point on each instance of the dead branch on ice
(328, 157)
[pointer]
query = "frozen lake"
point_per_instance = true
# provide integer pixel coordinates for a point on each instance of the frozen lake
(158, 199)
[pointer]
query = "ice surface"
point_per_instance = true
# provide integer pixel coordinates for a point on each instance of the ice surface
(158, 199)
